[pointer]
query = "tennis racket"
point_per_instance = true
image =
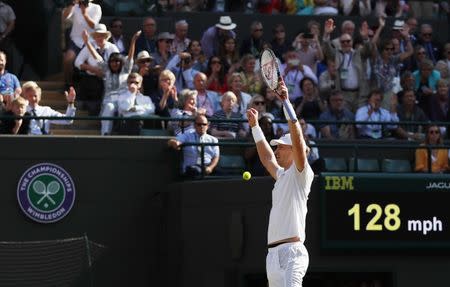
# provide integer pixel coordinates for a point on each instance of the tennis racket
(270, 72)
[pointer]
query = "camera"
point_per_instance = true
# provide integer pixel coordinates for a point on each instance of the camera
(308, 36)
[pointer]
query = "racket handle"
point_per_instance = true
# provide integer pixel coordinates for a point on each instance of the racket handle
(289, 109)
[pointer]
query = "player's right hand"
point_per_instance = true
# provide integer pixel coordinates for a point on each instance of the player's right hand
(252, 116)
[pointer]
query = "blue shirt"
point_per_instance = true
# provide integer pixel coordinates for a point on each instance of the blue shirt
(191, 154)
(8, 83)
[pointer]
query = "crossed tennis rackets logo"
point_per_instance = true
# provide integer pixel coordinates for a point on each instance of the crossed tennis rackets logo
(46, 191)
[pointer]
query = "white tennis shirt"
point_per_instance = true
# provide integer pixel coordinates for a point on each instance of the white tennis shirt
(289, 203)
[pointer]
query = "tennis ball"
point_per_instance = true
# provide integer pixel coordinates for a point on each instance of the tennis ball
(246, 175)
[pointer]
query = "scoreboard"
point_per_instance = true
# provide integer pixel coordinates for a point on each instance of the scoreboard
(385, 211)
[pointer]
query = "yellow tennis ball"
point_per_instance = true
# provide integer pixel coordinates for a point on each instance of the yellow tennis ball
(246, 175)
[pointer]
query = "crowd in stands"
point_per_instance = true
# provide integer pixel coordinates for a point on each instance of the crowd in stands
(383, 73)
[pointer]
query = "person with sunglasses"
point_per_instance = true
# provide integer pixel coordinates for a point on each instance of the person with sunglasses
(432, 48)
(350, 69)
(132, 104)
(194, 165)
(439, 157)
(115, 72)
(386, 67)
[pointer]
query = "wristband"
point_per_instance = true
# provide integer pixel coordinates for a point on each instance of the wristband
(289, 112)
(257, 133)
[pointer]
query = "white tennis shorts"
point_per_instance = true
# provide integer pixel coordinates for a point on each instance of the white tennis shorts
(286, 265)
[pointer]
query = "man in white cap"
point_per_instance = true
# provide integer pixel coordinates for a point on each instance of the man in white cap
(212, 37)
(84, 16)
(91, 82)
(287, 258)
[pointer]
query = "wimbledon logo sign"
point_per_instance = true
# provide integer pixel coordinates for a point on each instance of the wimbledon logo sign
(46, 193)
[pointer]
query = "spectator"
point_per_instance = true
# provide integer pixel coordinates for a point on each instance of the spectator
(147, 41)
(115, 74)
(373, 112)
(336, 113)
(446, 57)
(193, 164)
(243, 99)
(391, 8)
(229, 52)
(150, 75)
(409, 111)
(439, 156)
(162, 55)
(200, 61)
(187, 110)
(7, 24)
(32, 93)
(419, 56)
(279, 43)
(387, 66)
(347, 27)
(327, 80)
(311, 105)
(426, 79)
(216, 34)
(91, 83)
(439, 105)
(181, 41)
(252, 82)
(432, 48)
(166, 97)
(18, 108)
(254, 44)
(132, 104)
(84, 16)
(308, 47)
(293, 71)
(350, 65)
(407, 82)
(206, 99)
(117, 37)
(442, 67)
(412, 24)
(183, 71)
(217, 78)
(9, 84)
(227, 130)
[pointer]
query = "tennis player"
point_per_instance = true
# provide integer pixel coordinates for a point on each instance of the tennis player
(287, 259)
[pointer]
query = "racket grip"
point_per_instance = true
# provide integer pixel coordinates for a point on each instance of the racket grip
(289, 109)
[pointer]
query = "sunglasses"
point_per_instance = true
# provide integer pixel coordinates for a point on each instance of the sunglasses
(434, 132)
(345, 41)
(133, 82)
(145, 61)
(259, 103)
(201, 124)
(279, 31)
(389, 49)
(258, 30)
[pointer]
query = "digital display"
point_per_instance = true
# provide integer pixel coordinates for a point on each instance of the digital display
(385, 211)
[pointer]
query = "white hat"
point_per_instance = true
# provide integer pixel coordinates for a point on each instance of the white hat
(225, 23)
(101, 29)
(142, 55)
(398, 25)
(286, 140)
(165, 36)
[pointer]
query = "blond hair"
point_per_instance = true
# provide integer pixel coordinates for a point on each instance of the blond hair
(167, 74)
(229, 95)
(20, 102)
(31, 85)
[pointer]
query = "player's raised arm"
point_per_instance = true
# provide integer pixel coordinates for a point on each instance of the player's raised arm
(265, 153)
(299, 147)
